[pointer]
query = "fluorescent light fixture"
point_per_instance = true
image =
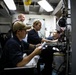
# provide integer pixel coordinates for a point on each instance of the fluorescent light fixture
(45, 5)
(10, 4)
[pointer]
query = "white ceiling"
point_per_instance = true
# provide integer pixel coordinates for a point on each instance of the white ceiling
(33, 8)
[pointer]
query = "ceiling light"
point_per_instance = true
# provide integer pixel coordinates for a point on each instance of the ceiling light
(10, 4)
(45, 5)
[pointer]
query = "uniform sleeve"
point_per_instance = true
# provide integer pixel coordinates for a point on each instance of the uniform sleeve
(33, 38)
(15, 54)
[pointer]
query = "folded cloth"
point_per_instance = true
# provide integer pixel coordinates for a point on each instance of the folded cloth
(33, 62)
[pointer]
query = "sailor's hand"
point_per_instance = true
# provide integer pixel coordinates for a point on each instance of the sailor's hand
(54, 40)
(38, 50)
